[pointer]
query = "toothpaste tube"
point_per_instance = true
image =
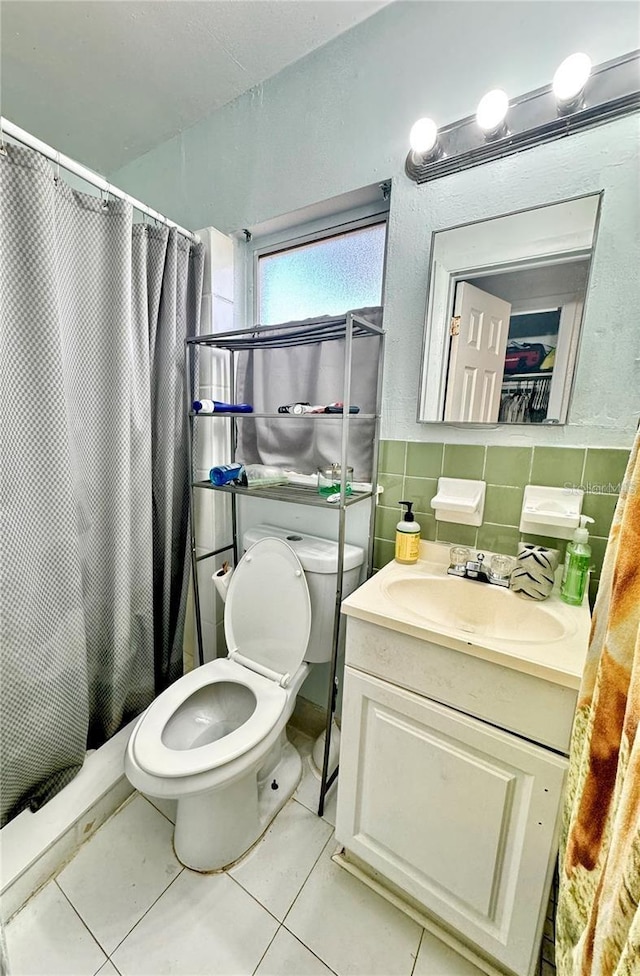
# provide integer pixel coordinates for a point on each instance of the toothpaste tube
(292, 407)
(301, 408)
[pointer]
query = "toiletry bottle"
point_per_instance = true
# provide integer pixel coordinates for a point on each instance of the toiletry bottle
(222, 474)
(217, 406)
(261, 476)
(576, 565)
(407, 537)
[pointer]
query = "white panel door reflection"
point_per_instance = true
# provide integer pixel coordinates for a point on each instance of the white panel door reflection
(480, 331)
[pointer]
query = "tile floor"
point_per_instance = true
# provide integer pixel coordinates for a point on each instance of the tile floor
(125, 905)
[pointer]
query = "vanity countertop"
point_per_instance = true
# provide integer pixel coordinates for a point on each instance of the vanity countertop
(558, 658)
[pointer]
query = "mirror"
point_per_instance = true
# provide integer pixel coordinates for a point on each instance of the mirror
(504, 314)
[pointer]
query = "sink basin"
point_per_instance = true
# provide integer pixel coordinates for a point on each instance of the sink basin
(478, 609)
(548, 639)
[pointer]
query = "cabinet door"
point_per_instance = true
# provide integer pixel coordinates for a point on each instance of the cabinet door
(460, 815)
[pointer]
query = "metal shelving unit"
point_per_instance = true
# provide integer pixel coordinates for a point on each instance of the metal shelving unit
(346, 327)
(284, 493)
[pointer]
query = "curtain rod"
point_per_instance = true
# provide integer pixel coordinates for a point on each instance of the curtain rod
(21, 135)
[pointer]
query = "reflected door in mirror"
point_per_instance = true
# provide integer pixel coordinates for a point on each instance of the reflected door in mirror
(480, 330)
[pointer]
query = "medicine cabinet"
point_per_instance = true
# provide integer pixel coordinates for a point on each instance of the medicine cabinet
(504, 314)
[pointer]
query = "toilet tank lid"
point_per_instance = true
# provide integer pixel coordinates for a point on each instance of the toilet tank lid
(316, 555)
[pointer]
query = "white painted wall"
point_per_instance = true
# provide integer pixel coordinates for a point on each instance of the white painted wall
(339, 119)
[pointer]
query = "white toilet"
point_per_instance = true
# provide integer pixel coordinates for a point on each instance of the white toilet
(215, 740)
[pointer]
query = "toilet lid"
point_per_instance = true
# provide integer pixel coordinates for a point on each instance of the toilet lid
(267, 614)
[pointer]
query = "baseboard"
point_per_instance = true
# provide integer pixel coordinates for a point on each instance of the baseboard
(35, 846)
(308, 717)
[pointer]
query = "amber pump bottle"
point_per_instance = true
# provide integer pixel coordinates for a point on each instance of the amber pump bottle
(407, 537)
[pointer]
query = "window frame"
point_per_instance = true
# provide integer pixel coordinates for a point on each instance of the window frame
(293, 238)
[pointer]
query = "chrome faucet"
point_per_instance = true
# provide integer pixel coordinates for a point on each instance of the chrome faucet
(461, 565)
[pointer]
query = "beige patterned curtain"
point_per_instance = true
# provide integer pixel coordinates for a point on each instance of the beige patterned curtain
(598, 925)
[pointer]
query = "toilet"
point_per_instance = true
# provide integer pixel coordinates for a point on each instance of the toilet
(215, 740)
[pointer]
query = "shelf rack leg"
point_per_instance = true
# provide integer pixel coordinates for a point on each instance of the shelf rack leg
(192, 511)
(233, 444)
(326, 780)
(375, 458)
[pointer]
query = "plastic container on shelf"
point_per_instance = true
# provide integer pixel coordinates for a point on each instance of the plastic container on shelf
(223, 474)
(262, 476)
(329, 478)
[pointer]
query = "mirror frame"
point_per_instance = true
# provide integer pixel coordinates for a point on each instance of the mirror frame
(516, 240)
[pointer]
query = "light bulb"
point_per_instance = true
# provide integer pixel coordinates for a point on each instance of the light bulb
(492, 111)
(571, 77)
(423, 136)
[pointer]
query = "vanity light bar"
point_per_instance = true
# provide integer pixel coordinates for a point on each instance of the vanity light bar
(611, 91)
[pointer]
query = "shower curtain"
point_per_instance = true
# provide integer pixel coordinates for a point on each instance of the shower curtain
(598, 922)
(93, 494)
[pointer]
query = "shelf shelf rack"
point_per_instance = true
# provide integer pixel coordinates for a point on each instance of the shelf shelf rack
(345, 327)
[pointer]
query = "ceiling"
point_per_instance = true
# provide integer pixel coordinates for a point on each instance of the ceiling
(108, 80)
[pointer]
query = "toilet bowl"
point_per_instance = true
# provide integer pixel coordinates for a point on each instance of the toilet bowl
(215, 740)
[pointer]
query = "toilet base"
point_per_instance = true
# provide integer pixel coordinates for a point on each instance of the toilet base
(215, 829)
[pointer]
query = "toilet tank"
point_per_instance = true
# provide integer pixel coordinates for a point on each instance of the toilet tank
(319, 559)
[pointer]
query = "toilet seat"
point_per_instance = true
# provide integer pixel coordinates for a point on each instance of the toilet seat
(156, 758)
(267, 613)
(267, 623)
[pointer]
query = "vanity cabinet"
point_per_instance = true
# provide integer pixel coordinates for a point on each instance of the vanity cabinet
(448, 788)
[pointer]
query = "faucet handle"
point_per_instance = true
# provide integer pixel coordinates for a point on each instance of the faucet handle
(459, 557)
(502, 566)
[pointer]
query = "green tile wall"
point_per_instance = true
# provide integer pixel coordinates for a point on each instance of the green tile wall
(410, 470)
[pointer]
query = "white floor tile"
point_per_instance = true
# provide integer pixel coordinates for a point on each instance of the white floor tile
(278, 866)
(350, 927)
(166, 807)
(302, 741)
(437, 959)
(108, 970)
(48, 939)
(308, 792)
(121, 871)
(331, 804)
(203, 925)
(288, 957)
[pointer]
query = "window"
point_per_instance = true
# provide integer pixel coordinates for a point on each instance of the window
(323, 276)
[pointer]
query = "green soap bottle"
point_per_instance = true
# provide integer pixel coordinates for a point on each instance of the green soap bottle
(577, 563)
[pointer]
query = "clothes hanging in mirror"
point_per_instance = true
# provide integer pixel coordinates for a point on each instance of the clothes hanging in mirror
(525, 401)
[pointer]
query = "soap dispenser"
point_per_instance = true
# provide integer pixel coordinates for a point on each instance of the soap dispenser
(577, 563)
(407, 537)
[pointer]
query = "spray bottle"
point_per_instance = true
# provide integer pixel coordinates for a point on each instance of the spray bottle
(407, 537)
(577, 563)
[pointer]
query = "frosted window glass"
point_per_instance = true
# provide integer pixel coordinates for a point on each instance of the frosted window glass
(327, 277)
